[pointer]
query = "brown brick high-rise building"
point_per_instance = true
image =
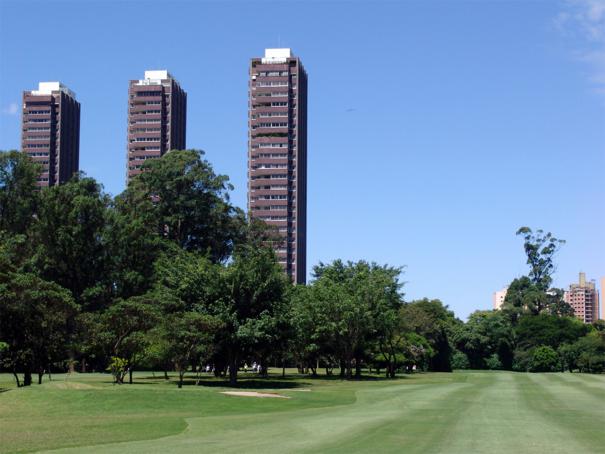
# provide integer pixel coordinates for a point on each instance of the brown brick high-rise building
(50, 131)
(584, 299)
(157, 118)
(277, 153)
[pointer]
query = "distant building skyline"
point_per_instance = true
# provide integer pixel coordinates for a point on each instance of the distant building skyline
(50, 131)
(583, 297)
(277, 153)
(157, 118)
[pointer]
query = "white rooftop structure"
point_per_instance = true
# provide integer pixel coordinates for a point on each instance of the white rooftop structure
(47, 88)
(155, 77)
(277, 55)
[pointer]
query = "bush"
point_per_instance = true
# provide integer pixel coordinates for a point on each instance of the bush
(544, 359)
(522, 360)
(493, 362)
(460, 361)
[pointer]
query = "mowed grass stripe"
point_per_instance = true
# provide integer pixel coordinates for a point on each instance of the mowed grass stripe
(568, 404)
(463, 412)
(407, 412)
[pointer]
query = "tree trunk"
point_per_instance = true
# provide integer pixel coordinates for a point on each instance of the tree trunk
(130, 375)
(165, 374)
(27, 377)
(233, 372)
(17, 379)
(357, 368)
(40, 375)
(181, 375)
(83, 369)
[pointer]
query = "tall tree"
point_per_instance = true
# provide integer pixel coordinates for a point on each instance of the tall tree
(33, 322)
(432, 320)
(540, 249)
(187, 203)
(18, 191)
(69, 239)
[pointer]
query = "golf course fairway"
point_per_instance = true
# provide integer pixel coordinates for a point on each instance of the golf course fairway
(461, 412)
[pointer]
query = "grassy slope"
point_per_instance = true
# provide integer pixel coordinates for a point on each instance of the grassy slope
(478, 412)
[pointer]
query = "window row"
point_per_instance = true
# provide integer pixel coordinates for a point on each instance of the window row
(273, 73)
(146, 139)
(272, 84)
(270, 166)
(270, 177)
(270, 155)
(271, 197)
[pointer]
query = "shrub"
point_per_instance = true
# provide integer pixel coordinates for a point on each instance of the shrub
(544, 359)
(460, 360)
(493, 362)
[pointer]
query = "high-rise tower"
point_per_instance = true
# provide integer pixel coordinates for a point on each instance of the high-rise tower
(50, 131)
(277, 153)
(584, 299)
(157, 117)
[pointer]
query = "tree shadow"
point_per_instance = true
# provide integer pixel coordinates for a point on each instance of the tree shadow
(248, 382)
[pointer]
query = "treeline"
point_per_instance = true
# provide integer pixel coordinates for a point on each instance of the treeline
(170, 276)
(535, 330)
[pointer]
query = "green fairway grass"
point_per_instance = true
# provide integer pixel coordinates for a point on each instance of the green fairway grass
(462, 412)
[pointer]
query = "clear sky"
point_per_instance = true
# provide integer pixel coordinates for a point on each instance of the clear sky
(436, 129)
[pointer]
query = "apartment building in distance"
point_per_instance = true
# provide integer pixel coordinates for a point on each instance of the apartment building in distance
(277, 153)
(157, 118)
(498, 298)
(583, 297)
(50, 131)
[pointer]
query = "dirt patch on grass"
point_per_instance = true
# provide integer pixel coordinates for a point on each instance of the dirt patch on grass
(70, 385)
(253, 394)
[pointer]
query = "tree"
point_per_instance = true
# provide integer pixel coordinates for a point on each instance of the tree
(33, 323)
(540, 249)
(252, 289)
(189, 335)
(591, 350)
(544, 359)
(18, 191)
(553, 331)
(485, 334)
(187, 203)
(357, 303)
(433, 321)
(121, 331)
(69, 240)
(133, 245)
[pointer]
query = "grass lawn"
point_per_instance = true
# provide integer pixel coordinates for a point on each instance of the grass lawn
(463, 412)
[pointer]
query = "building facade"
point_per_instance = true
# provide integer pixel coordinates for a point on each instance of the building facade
(157, 118)
(583, 297)
(50, 131)
(498, 298)
(277, 153)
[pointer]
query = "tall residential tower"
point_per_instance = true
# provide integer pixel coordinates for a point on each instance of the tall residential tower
(157, 117)
(277, 153)
(50, 131)
(584, 299)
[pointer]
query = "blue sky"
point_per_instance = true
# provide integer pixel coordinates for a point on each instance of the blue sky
(436, 129)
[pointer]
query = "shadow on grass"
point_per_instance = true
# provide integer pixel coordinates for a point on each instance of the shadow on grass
(254, 381)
